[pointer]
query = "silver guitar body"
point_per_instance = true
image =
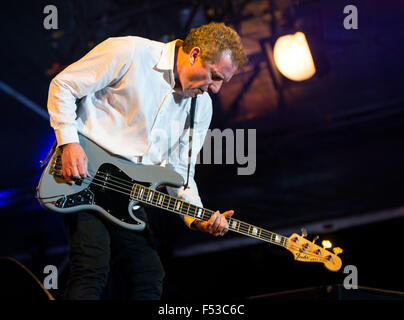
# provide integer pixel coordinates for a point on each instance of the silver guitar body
(114, 203)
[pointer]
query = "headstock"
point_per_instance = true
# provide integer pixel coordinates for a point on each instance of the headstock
(307, 251)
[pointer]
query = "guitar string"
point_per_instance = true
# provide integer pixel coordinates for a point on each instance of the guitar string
(169, 205)
(130, 185)
(310, 253)
(241, 226)
(244, 226)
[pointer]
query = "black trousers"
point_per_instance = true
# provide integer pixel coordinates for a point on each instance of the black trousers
(108, 262)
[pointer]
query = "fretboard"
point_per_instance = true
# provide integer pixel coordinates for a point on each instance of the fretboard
(164, 201)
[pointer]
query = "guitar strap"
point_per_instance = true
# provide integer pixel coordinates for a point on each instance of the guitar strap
(191, 129)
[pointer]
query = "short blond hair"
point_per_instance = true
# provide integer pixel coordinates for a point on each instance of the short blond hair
(213, 39)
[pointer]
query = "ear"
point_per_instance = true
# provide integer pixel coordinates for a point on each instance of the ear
(193, 54)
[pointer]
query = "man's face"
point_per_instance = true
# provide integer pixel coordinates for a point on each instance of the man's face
(202, 76)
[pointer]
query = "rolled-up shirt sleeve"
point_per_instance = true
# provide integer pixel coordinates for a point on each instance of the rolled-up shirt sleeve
(179, 162)
(105, 63)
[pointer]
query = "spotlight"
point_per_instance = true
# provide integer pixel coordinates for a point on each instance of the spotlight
(293, 57)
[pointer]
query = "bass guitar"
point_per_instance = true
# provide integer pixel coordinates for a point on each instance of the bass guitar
(117, 187)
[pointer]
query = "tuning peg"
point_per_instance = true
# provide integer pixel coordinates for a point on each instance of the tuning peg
(315, 239)
(304, 232)
(337, 250)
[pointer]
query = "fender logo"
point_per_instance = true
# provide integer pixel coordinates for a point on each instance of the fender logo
(306, 257)
(300, 256)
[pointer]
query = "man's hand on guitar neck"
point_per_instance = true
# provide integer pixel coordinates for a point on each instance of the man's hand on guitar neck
(217, 224)
(74, 162)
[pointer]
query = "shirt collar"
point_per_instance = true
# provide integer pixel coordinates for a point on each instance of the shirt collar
(166, 61)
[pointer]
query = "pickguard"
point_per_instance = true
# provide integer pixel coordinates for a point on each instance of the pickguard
(110, 189)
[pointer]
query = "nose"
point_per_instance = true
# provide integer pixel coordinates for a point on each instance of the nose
(215, 86)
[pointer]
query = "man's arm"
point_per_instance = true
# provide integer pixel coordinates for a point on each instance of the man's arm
(217, 224)
(96, 70)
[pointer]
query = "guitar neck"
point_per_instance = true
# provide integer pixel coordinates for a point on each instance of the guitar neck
(164, 201)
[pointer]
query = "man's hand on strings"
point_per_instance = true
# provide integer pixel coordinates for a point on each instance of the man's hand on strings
(217, 224)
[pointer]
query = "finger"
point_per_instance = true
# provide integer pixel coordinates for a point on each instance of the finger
(214, 222)
(228, 213)
(224, 226)
(86, 167)
(66, 175)
(74, 172)
(82, 170)
(217, 233)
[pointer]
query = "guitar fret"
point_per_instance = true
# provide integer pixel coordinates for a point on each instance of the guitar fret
(155, 197)
(283, 241)
(133, 191)
(178, 205)
(233, 225)
(150, 195)
(244, 225)
(168, 202)
(164, 199)
(160, 199)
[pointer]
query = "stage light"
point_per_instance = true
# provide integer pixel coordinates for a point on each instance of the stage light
(293, 57)
(8, 196)
(326, 244)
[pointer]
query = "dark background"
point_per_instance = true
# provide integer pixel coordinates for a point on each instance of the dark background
(329, 150)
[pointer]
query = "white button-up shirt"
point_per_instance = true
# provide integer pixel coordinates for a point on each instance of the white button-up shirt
(129, 107)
